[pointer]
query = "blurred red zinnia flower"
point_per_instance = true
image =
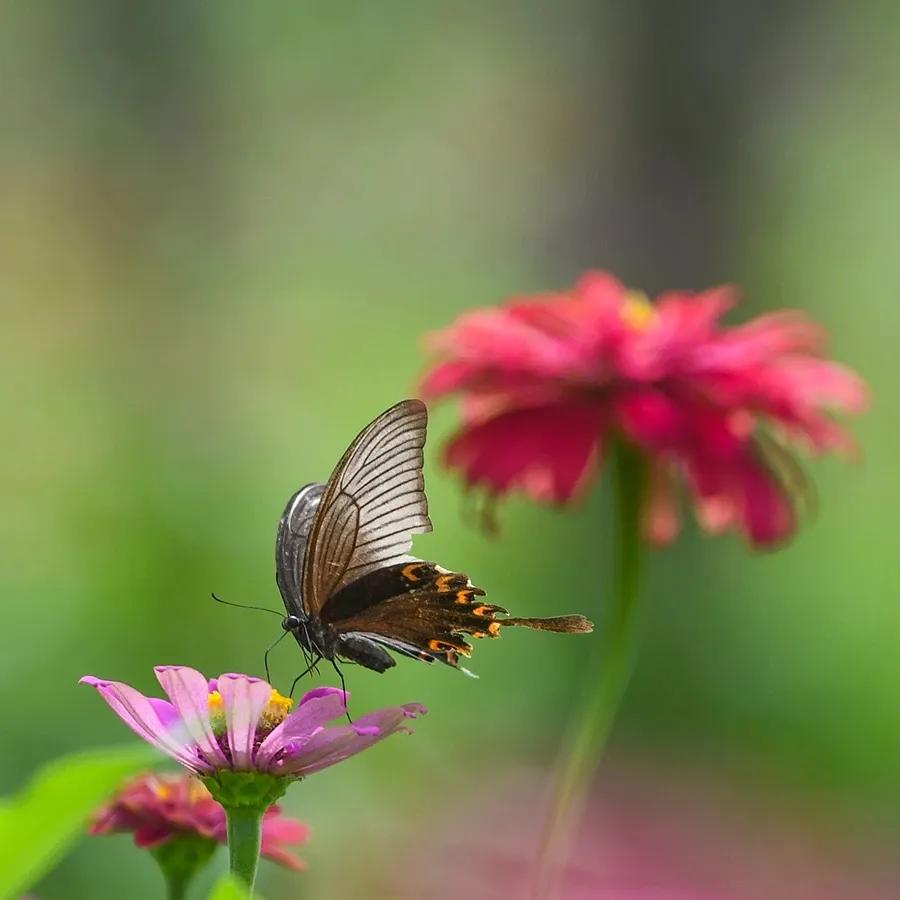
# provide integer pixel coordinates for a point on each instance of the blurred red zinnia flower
(158, 808)
(548, 381)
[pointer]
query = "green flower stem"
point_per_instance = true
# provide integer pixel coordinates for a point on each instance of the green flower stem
(245, 797)
(607, 678)
(180, 858)
(176, 886)
(244, 842)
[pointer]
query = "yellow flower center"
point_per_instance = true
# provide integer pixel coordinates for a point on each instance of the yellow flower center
(276, 710)
(216, 712)
(637, 312)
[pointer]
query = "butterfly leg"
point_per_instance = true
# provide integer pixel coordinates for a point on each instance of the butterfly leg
(340, 675)
(311, 667)
(307, 656)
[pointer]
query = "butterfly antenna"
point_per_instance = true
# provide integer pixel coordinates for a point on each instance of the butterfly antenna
(306, 671)
(245, 606)
(269, 649)
(344, 689)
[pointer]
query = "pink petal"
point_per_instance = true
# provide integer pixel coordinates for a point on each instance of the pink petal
(761, 340)
(316, 709)
(277, 832)
(740, 492)
(243, 699)
(447, 377)
(167, 713)
(801, 392)
(552, 337)
(140, 714)
(680, 331)
(280, 855)
(282, 829)
(687, 319)
(189, 692)
(600, 290)
(652, 419)
(506, 342)
(325, 691)
(146, 836)
(768, 513)
(587, 322)
(581, 324)
(333, 745)
(548, 452)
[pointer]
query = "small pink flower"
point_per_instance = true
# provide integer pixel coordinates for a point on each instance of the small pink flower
(548, 381)
(241, 723)
(158, 808)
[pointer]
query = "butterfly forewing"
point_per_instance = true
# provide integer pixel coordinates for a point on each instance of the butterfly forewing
(290, 544)
(373, 504)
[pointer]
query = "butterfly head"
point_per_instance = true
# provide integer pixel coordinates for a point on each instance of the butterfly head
(290, 623)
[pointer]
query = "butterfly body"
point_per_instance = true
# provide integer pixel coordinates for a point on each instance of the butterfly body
(311, 632)
(350, 588)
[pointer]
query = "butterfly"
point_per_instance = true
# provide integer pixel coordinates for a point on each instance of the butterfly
(350, 588)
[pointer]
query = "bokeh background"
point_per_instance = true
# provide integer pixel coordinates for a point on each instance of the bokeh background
(226, 228)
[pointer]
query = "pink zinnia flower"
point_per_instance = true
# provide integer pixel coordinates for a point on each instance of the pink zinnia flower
(159, 808)
(241, 723)
(549, 381)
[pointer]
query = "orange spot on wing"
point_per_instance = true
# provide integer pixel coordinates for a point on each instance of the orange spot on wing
(411, 572)
(450, 649)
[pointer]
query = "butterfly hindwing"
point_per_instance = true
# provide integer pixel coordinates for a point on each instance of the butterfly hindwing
(423, 610)
(414, 607)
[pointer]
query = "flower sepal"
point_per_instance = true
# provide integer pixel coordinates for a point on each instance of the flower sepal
(247, 790)
(181, 858)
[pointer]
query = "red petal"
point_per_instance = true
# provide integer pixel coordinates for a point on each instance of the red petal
(739, 491)
(548, 452)
(447, 377)
(768, 512)
(652, 419)
(151, 835)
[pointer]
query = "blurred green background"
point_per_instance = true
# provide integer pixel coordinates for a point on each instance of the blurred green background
(226, 228)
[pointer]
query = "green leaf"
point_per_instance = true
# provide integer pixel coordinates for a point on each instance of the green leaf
(40, 823)
(230, 888)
